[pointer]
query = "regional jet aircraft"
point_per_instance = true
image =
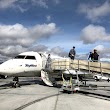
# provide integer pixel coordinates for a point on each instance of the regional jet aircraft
(27, 64)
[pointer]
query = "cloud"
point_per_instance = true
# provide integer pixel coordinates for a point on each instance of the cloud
(102, 50)
(25, 5)
(22, 5)
(13, 4)
(104, 53)
(48, 18)
(39, 48)
(41, 3)
(17, 38)
(44, 3)
(58, 51)
(22, 9)
(56, 1)
(93, 33)
(7, 3)
(10, 51)
(95, 12)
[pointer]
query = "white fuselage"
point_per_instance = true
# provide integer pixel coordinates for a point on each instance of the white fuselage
(25, 64)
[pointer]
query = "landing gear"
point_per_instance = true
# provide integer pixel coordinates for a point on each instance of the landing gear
(16, 82)
(96, 79)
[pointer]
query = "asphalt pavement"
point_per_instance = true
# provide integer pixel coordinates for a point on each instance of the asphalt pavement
(35, 95)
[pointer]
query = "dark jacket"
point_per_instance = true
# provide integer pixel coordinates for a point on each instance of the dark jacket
(95, 55)
(72, 51)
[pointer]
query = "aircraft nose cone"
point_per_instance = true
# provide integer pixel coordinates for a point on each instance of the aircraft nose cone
(4, 69)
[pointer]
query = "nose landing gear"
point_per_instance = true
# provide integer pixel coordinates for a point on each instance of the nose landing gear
(15, 82)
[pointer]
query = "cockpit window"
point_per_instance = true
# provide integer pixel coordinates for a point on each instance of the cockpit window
(25, 57)
(20, 57)
(30, 57)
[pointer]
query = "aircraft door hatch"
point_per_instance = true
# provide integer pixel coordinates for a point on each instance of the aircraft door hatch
(44, 60)
(45, 78)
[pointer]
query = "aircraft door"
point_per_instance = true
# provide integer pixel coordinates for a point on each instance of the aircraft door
(44, 60)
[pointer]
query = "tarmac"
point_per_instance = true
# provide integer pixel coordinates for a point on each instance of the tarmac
(35, 95)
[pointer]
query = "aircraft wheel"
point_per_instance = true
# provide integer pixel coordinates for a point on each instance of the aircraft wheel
(96, 79)
(16, 84)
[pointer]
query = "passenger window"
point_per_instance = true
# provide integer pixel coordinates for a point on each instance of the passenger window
(30, 57)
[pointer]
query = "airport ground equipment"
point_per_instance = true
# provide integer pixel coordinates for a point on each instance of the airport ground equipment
(70, 85)
(66, 63)
(99, 77)
(83, 66)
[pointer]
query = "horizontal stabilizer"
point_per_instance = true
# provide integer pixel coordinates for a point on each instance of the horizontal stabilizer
(45, 78)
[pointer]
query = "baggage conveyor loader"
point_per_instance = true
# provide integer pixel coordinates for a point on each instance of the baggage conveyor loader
(70, 85)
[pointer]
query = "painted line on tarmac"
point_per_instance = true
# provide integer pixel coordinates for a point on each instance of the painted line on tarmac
(38, 100)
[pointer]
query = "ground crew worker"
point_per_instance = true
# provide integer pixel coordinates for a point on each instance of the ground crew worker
(95, 55)
(72, 53)
(91, 57)
(48, 64)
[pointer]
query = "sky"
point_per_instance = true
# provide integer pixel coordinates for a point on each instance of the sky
(54, 26)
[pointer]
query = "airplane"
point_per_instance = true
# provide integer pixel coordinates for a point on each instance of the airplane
(28, 64)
